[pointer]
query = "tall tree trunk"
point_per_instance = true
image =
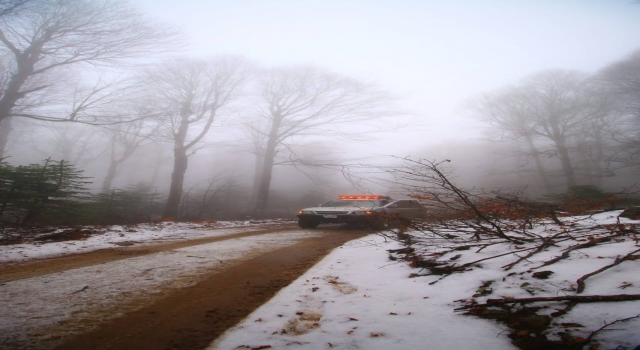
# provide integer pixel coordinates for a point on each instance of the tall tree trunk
(111, 174)
(5, 130)
(180, 163)
(560, 141)
(538, 163)
(264, 183)
(256, 178)
(25, 63)
(565, 161)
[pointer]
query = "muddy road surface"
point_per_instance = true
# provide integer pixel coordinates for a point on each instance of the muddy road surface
(206, 302)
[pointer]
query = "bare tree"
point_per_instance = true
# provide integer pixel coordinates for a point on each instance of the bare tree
(190, 94)
(125, 139)
(621, 81)
(299, 102)
(67, 33)
(10, 7)
(76, 144)
(553, 107)
(506, 111)
(200, 202)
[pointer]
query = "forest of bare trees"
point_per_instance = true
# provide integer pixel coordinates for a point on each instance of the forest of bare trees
(568, 128)
(100, 114)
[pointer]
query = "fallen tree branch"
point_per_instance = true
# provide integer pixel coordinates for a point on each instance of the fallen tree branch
(464, 266)
(573, 298)
(594, 333)
(545, 243)
(567, 251)
(618, 261)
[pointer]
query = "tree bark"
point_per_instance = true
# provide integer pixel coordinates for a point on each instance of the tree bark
(111, 174)
(264, 184)
(565, 161)
(538, 163)
(180, 164)
(5, 130)
(25, 65)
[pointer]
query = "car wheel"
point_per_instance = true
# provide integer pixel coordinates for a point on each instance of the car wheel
(380, 223)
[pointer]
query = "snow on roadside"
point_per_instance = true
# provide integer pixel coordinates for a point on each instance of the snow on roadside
(357, 299)
(48, 309)
(115, 235)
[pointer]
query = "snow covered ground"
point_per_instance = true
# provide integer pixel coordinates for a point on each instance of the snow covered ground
(357, 298)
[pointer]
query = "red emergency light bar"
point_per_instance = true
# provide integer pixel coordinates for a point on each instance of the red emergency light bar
(359, 197)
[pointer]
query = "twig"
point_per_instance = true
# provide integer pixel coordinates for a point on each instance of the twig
(567, 308)
(581, 280)
(566, 252)
(593, 334)
(464, 266)
(546, 243)
(496, 256)
(81, 290)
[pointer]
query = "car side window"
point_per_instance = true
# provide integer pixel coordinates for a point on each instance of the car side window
(402, 204)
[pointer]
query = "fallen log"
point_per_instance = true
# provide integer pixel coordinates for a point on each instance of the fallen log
(578, 298)
(572, 298)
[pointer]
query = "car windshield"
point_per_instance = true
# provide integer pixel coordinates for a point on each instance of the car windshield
(354, 203)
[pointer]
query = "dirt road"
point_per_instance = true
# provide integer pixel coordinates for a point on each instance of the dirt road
(192, 317)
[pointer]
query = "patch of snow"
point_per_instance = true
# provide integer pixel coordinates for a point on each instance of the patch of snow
(116, 235)
(356, 298)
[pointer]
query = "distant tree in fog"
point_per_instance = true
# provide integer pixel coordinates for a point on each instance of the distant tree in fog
(299, 102)
(557, 113)
(505, 111)
(218, 197)
(10, 7)
(125, 138)
(76, 144)
(54, 35)
(189, 95)
(621, 80)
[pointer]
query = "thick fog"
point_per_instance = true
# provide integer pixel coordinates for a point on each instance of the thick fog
(234, 109)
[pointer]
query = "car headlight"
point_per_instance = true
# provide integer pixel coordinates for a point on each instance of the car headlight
(305, 212)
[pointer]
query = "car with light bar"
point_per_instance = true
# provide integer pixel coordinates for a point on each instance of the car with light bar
(371, 210)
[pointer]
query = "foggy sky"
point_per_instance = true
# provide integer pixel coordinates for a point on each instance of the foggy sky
(433, 54)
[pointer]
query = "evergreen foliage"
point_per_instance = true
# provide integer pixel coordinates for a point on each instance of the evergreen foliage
(46, 193)
(135, 204)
